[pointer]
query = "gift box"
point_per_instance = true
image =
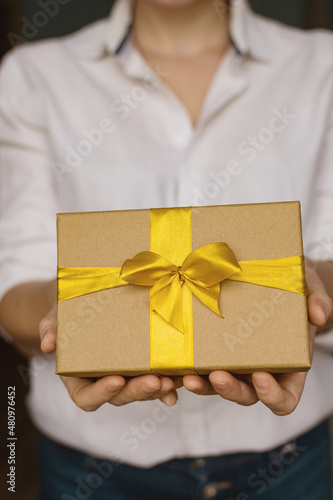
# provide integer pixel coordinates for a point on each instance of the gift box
(182, 290)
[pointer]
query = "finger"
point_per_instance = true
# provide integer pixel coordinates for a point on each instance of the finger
(140, 389)
(170, 399)
(48, 331)
(198, 385)
(232, 388)
(312, 336)
(319, 302)
(177, 382)
(280, 395)
(319, 307)
(167, 385)
(89, 395)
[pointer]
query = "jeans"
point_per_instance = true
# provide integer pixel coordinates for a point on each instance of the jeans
(298, 470)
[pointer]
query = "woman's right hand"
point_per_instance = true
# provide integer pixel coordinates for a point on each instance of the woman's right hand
(89, 394)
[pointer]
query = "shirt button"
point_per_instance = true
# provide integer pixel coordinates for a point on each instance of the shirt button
(288, 448)
(209, 491)
(199, 462)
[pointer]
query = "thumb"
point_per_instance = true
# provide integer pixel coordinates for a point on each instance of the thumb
(319, 302)
(48, 331)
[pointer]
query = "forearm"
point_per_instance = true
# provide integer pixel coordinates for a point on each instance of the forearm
(22, 309)
(325, 272)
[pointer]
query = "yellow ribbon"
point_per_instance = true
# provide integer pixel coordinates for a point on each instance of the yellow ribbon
(202, 271)
(171, 351)
(174, 277)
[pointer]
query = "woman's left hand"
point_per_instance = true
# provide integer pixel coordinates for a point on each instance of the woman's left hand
(280, 393)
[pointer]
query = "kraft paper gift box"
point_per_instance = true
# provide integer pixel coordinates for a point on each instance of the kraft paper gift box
(171, 323)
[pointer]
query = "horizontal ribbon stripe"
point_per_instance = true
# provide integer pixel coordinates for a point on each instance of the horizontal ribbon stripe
(77, 281)
(285, 273)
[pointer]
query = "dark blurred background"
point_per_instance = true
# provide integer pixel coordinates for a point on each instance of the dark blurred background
(35, 19)
(25, 21)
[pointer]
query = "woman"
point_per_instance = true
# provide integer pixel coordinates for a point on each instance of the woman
(168, 103)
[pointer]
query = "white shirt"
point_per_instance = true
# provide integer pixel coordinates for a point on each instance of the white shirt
(86, 125)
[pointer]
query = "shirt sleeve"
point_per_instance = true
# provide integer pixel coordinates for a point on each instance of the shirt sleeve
(320, 246)
(321, 239)
(27, 190)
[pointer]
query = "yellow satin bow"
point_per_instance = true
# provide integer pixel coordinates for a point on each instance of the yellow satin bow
(202, 271)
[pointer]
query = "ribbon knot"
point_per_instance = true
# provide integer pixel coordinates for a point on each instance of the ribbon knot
(180, 274)
(202, 271)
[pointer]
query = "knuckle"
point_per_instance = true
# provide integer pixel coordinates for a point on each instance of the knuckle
(44, 324)
(161, 394)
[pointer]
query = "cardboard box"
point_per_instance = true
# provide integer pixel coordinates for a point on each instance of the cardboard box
(108, 331)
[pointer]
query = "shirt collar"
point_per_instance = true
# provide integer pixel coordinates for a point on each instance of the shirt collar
(245, 32)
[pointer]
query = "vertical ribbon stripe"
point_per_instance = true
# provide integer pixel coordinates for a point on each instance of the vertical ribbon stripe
(170, 349)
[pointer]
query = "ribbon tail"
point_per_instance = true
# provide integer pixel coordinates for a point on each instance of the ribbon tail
(166, 299)
(208, 296)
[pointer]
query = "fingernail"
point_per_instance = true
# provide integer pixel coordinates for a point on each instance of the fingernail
(222, 386)
(45, 334)
(323, 308)
(44, 339)
(169, 401)
(261, 384)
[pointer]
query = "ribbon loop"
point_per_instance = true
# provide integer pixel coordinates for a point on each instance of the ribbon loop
(146, 268)
(210, 264)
